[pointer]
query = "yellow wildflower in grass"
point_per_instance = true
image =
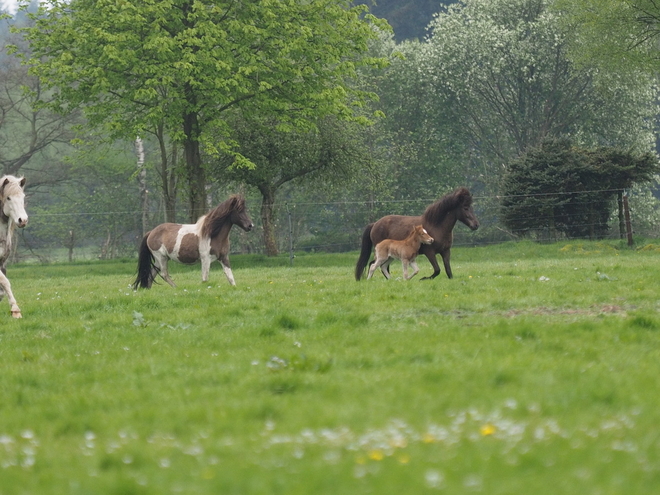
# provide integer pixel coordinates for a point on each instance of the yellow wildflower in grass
(428, 438)
(404, 459)
(487, 430)
(376, 455)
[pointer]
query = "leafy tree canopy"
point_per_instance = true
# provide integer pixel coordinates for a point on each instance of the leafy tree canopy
(182, 63)
(620, 35)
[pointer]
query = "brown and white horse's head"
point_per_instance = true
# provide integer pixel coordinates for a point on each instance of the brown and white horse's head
(239, 215)
(12, 197)
(232, 211)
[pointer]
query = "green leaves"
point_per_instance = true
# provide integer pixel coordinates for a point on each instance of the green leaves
(119, 60)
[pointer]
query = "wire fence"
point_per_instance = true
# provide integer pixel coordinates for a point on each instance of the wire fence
(338, 226)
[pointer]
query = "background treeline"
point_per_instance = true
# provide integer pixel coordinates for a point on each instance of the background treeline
(469, 93)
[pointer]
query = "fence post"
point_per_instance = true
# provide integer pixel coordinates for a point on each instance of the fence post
(626, 214)
(290, 235)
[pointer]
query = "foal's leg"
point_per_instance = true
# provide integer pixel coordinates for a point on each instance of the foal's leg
(6, 289)
(385, 267)
(404, 262)
(226, 267)
(415, 268)
(377, 262)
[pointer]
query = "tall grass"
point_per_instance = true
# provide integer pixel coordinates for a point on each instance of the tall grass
(535, 370)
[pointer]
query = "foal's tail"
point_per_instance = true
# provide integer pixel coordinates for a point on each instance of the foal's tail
(145, 274)
(365, 252)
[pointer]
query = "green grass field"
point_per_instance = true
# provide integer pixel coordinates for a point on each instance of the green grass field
(536, 370)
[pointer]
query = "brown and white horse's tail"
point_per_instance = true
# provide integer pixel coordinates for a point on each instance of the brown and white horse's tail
(365, 252)
(145, 268)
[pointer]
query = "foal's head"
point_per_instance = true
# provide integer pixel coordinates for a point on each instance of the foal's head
(12, 197)
(422, 235)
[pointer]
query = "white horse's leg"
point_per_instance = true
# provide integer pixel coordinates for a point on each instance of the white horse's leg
(161, 263)
(224, 261)
(6, 288)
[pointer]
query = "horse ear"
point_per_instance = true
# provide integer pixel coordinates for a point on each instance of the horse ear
(4, 183)
(465, 196)
(22, 183)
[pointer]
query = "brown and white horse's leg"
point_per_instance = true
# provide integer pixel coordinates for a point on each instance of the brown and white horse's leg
(206, 267)
(224, 261)
(160, 262)
(404, 262)
(6, 289)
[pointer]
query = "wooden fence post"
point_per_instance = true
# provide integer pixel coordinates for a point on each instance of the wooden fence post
(626, 214)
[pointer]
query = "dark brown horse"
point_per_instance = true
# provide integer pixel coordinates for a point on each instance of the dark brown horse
(205, 241)
(438, 220)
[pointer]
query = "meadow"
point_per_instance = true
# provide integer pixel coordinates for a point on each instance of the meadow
(535, 370)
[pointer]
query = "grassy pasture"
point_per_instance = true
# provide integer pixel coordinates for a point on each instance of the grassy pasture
(535, 370)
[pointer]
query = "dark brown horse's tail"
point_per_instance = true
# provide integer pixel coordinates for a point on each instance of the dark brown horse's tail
(145, 273)
(365, 252)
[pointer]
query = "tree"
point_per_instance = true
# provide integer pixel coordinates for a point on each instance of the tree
(618, 35)
(26, 130)
(501, 69)
(331, 152)
(184, 63)
(561, 188)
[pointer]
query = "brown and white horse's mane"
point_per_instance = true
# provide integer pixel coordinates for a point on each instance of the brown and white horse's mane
(436, 212)
(218, 216)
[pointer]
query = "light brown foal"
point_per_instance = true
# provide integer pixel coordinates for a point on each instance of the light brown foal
(405, 250)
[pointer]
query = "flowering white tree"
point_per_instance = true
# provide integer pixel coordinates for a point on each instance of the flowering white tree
(500, 68)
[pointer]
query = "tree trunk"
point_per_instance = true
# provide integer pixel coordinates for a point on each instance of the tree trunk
(142, 182)
(622, 223)
(194, 170)
(167, 175)
(268, 219)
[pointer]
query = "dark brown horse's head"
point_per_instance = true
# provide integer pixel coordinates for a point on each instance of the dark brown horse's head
(465, 213)
(459, 202)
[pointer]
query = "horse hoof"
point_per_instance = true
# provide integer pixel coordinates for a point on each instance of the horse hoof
(16, 314)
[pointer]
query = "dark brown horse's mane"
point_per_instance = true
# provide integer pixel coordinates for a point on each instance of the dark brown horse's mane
(435, 212)
(219, 215)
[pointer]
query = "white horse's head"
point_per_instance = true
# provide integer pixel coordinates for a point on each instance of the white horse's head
(12, 196)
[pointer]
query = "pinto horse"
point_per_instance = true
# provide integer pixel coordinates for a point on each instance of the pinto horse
(405, 250)
(12, 209)
(207, 240)
(438, 219)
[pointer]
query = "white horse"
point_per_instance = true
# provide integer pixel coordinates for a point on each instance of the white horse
(12, 215)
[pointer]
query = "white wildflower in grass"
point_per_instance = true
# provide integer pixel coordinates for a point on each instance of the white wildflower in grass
(433, 478)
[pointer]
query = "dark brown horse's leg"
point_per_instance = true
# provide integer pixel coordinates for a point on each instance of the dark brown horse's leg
(445, 260)
(434, 263)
